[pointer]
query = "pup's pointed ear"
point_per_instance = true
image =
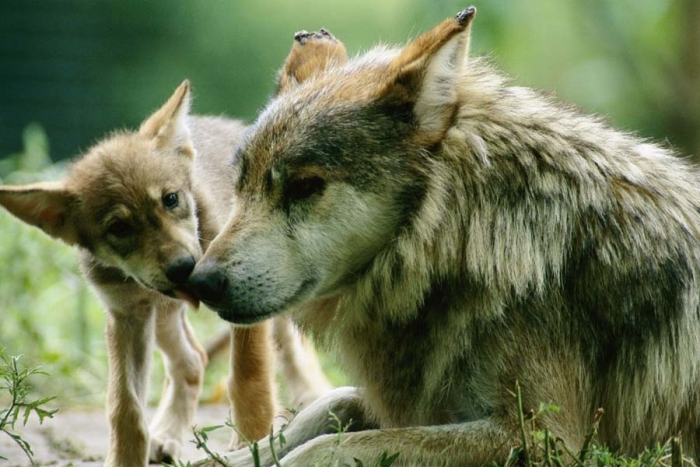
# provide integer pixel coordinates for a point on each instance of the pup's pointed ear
(167, 127)
(48, 206)
(426, 72)
(312, 53)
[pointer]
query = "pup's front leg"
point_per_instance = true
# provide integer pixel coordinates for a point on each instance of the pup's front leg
(345, 403)
(129, 338)
(184, 360)
(251, 384)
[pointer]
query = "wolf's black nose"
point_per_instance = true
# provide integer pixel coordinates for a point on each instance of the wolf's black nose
(208, 283)
(179, 270)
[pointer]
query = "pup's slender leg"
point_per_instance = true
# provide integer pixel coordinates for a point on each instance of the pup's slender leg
(184, 360)
(303, 376)
(251, 384)
(129, 337)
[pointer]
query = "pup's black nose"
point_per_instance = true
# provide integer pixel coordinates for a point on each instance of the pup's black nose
(179, 270)
(208, 283)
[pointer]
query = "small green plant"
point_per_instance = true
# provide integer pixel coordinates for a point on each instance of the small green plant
(277, 441)
(13, 379)
(385, 460)
(201, 438)
(539, 447)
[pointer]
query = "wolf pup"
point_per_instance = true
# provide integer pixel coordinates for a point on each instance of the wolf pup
(141, 207)
(449, 235)
(136, 208)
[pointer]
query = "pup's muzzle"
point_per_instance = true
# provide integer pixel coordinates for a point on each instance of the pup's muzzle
(208, 283)
(179, 270)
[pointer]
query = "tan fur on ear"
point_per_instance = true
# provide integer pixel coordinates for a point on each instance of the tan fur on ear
(311, 54)
(168, 126)
(427, 71)
(45, 205)
(427, 44)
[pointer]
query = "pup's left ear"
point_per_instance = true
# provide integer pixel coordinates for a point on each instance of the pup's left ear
(167, 127)
(426, 72)
(48, 205)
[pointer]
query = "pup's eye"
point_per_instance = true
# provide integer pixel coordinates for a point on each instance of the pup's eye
(304, 188)
(119, 229)
(170, 201)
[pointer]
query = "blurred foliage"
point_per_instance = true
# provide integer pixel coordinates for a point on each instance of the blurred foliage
(45, 315)
(82, 68)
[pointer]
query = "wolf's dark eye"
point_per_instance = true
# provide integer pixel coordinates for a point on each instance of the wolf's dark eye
(170, 201)
(304, 188)
(119, 229)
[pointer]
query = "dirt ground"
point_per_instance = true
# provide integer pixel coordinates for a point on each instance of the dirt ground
(80, 438)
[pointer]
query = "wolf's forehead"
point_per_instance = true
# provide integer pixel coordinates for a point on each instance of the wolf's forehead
(345, 86)
(319, 121)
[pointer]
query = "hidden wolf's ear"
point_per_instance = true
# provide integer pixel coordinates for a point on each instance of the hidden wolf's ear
(311, 54)
(167, 127)
(427, 70)
(48, 206)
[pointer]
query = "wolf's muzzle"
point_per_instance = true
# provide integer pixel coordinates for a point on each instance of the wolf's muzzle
(208, 283)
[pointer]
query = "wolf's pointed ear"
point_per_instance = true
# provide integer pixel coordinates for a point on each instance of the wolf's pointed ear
(426, 72)
(48, 206)
(312, 53)
(168, 125)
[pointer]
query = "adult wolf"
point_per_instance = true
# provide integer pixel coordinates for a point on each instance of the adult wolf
(450, 235)
(141, 206)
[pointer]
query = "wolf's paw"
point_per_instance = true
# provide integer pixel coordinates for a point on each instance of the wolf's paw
(164, 450)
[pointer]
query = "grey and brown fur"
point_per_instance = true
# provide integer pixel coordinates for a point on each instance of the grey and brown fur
(136, 249)
(450, 234)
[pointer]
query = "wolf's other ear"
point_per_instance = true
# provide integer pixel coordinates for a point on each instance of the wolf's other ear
(48, 206)
(427, 71)
(168, 125)
(312, 53)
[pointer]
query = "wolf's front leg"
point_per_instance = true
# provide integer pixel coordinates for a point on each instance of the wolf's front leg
(345, 403)
(470, 444)
(129, 338)
(184, 360)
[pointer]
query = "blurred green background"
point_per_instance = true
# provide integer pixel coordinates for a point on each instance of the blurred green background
(83, 68)
(71, 71)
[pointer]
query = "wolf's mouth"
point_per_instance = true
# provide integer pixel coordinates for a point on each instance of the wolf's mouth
(181, 294)
(243, 319)
(228, 312)
(188, 297)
